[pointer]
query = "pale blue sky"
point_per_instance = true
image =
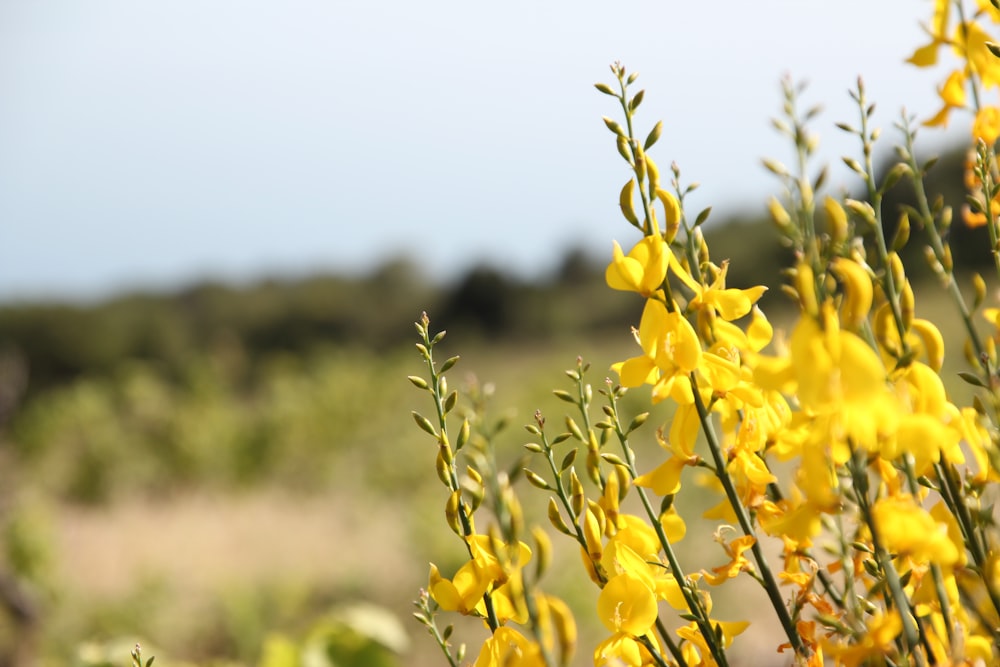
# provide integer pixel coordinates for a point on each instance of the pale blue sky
(150, 144)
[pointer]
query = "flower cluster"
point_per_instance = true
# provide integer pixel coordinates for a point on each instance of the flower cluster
(837, 444)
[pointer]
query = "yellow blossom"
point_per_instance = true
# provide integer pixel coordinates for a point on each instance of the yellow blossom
(987, 125)
(626, 604)
(671, 351)
(666, 478)
(738, 562)
(642, 270)
(882, 629)
(620, 650)
(731, 304)
(926, 55)
(509, 648)
(908, 529)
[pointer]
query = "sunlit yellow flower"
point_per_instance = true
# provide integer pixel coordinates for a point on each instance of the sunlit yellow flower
(642, 270)
(926, 55)
(729, 630)
(970, 42)
(666, 478)
(620, 650)
(952, 93)
(738, 562)
(882, 629)
(986, 126)
(731, 304)
(463, 592)
(509, 648)
(482, 573)
(508, 601)
(908, 529)
(626, 604)
(671, 351)
(798, 523)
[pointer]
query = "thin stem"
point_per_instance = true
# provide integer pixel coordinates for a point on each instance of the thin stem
(937, 244)
(693, 603)
(770, 583)
(911, 633)
(445, 442)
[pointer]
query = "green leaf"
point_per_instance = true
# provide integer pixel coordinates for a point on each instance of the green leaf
(446, 366)
(424, 423)
(568, 460)
(606, 89)
(653, 136)
(973, 379)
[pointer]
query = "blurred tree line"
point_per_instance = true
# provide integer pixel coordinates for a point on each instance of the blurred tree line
(54, 342)
(50, 343)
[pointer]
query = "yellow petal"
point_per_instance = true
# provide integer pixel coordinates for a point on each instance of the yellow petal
(925, 56)
(665, 479)
(953, 90)
(627, 605)
(987, 125)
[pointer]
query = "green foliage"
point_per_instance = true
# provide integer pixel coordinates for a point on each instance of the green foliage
(290, 420)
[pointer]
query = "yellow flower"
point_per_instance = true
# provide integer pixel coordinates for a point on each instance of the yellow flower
(731, 304)
(509, 648)
(463, 592)
(481, 574)
(926, 55)
(970, 42)
(626, 604)
(952, 93)
(671, 351)
(907, 529)
(729, 630)
(987, 125)
(882, 630)
(642, 270)
(666, 478)
(738, 562)
(619, 650)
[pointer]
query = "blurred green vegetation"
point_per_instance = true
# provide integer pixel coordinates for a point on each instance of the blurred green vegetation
(298, 385)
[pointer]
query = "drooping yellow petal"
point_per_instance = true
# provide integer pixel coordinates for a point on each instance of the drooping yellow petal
(925, 56)
(953, 90)
(682, 348)
(684, 429)
(943, 515)
(664, 479)
(673, 525)
(760, 331)
(861, 372)
(637, 371)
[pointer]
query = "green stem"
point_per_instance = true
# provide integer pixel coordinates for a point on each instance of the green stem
(954, 499)
(693, 603)
(770, 583)
(911, 633)
(938, 246)
(453, 483)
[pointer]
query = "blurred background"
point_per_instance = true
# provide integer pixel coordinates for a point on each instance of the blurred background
(219, 220)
